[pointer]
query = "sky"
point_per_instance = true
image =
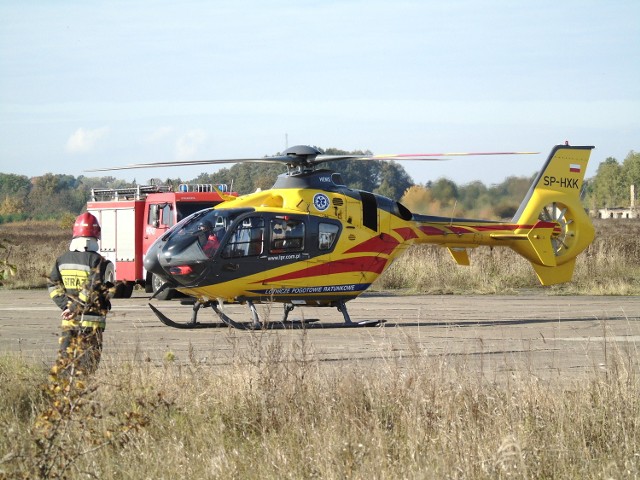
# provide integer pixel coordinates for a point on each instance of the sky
(93, 84)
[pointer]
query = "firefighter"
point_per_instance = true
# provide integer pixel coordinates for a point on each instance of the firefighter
(78, 285)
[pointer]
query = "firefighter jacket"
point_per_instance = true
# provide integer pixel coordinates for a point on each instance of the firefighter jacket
(77, 282)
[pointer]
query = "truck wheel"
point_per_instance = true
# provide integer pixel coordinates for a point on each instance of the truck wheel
(110, 277)
(166, 294)
(119, 293)
(127, 291)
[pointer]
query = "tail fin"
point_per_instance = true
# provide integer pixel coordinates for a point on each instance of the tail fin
(559, 226)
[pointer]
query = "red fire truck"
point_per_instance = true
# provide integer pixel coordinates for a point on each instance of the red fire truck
(131, 220)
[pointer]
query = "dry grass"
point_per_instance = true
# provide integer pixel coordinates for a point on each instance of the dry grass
(33, 247)
(276, 414)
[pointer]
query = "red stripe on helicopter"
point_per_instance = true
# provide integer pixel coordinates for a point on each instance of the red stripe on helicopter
(383, 243)
(357, 264)
(485, 228)
(458, 230)
(406, 233)
(427, 230)
(512, 227)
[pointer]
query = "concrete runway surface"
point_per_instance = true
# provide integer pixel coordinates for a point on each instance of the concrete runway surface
(550, 337)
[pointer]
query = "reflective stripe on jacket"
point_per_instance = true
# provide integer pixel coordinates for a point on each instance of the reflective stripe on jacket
(77, 283)
(87, 321)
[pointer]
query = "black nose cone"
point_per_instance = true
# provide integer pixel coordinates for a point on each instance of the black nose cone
(151, 261)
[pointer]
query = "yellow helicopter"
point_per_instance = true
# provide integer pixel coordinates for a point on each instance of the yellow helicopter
(311, 240)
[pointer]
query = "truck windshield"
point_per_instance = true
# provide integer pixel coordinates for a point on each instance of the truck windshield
(187, 208)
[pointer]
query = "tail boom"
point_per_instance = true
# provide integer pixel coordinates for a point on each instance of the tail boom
(549, 229)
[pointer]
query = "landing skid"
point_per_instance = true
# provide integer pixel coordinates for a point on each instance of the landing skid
(255, 323)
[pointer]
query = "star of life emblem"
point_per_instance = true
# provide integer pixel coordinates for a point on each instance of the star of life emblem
(321, 202)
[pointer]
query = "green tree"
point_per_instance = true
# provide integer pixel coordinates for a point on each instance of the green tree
(12, 206)
(53, 195)
(608, 184)
(505, 197)
(356, 174)
(472, 195)
(88, 183)
(394, 180)
(14, 191)
(514, 188)
(630, 174)
(445, 190)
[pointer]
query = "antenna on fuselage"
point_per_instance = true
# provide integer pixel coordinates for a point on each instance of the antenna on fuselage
(453, 211)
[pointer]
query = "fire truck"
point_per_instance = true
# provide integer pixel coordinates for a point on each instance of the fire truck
(131, 220)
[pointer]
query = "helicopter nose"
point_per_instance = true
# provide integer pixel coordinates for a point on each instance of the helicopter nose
(151, 260)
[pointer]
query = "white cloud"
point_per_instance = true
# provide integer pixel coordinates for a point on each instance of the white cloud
(188, 144)
(84, 140)
(158, 134)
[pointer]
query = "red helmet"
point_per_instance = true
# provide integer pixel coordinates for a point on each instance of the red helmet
(86, 225)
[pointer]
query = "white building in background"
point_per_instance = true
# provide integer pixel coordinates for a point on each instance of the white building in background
(632, 211)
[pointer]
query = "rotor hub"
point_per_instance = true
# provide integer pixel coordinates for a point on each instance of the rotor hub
(302, 151)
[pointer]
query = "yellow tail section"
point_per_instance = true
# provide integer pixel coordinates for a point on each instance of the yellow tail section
(557, 226)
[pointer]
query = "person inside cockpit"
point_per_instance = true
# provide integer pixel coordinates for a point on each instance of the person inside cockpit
(208, 238)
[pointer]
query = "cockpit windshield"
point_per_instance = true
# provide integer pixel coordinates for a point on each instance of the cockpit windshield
(204, 230)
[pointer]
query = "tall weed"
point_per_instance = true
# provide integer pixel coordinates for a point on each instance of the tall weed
(274, 412)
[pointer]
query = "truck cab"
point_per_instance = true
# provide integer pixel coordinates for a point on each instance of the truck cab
(133, 218)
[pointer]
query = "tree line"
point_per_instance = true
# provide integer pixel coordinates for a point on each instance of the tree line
(612, 183)
(54, 195)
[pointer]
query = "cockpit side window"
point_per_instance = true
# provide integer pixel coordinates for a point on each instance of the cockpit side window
(247, 240)
(209, 236)
(287, 235)
(327, 234)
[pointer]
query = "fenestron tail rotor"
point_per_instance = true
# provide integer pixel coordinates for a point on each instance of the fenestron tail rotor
(565, 230)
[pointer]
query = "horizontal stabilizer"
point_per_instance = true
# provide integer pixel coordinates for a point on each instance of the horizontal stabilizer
(539, 238)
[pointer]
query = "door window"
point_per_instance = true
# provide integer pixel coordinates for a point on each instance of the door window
(167, 215)
(287, 235)
(154, 216)
(327, 234)
(247, 240)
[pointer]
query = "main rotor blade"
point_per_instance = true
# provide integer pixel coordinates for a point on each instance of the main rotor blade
(279, 159)
(307, 159)
(183, 163)
(430, 156)
(425, 157)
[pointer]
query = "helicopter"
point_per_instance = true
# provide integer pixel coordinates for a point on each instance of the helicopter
(311, 240)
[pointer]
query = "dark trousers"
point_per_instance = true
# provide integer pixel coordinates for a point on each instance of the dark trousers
(81, 348)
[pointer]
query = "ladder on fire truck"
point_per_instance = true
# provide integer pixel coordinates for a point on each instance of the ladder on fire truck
(139, 192)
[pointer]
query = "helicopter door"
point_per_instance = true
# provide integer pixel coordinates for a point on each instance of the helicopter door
(287, 240)
(246, 243)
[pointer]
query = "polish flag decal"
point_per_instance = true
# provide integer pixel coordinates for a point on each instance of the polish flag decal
(574, 167)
